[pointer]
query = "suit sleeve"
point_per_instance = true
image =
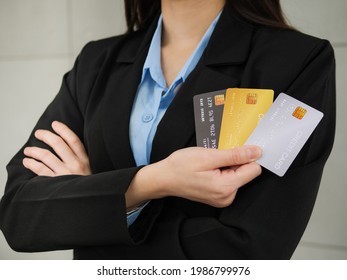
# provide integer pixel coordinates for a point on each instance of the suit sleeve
(269, 216)
(40, 213)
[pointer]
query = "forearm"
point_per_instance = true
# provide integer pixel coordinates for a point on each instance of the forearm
(64, 212)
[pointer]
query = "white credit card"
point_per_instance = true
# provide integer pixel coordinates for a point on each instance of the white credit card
(283, 131)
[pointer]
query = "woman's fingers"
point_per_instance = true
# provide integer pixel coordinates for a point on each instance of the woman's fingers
(57, 144)
(70, 158)
(234, 157)
(46, 157)
(37, 167)
(244, 174)
(210, 159)
(72, 140)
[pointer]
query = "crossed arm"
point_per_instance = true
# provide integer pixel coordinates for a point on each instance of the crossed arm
(204, 175)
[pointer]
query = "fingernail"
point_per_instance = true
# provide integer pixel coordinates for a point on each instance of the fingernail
(253, 152)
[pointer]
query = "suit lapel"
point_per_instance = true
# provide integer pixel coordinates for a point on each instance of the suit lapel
(219, 68)
(121, 89)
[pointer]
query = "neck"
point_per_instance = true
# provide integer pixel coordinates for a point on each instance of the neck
(186, 21)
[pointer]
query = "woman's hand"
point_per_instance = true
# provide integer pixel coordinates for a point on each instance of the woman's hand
(204, 175)
(72, 157)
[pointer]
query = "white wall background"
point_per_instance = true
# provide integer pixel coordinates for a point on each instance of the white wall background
(41, 38)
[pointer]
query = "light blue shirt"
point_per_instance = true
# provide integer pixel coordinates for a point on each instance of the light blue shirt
(154, 97)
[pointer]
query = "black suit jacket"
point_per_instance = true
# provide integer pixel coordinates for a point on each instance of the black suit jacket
(87, 214)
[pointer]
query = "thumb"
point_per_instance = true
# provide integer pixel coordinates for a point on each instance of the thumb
(236, 156)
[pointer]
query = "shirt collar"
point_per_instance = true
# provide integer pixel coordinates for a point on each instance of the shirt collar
(153, 61)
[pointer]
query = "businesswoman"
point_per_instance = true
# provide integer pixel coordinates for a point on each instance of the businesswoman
(111, 170)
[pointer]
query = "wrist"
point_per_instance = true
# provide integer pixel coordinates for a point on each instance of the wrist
(147, 184)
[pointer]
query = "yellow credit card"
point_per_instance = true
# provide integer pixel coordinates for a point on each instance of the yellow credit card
(243, 109)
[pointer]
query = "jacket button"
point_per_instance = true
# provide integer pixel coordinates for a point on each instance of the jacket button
(147, 117)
